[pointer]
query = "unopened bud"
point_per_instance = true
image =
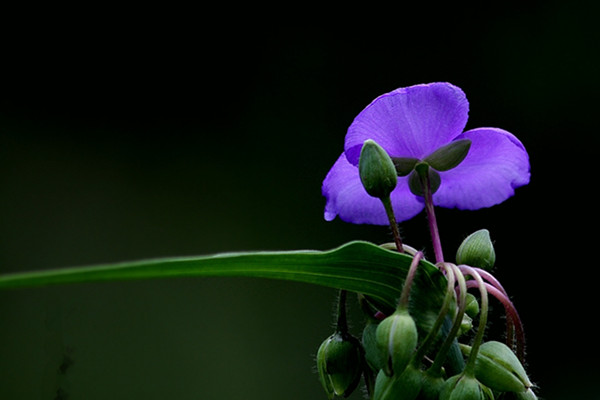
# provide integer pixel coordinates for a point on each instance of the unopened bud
(377, 171)
(405, 386)
(465, 325)
(449, 156)
(339, 363)
(499, 368)
(472, 306)
(397, 339)
(477, 250)
(463, 387)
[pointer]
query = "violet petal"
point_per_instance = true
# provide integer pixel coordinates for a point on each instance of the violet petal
(347, 198)
(410, 122)
(497, 164)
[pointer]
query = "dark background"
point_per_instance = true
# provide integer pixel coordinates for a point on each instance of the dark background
(136, 133)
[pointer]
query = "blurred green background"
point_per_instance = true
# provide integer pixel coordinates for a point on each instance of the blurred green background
(137, 133)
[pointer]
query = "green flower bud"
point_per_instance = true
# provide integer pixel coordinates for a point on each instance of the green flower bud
(449, 156)
(339, 363)
(373, 354)
(405, 386)
(499, 368)
(477, 250)
(463, 387)
(472, 306)
(397, 339)
(465, 325)
(377, 171)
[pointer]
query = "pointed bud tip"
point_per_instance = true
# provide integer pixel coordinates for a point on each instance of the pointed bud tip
(477, 250)
(449, 156)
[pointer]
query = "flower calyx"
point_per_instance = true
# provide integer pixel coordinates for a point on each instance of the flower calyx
(423, 177)
(449, 156)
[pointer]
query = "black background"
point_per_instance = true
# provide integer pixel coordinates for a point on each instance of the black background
(130, 133)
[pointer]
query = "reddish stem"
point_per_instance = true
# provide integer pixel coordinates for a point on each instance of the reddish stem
(511, 315)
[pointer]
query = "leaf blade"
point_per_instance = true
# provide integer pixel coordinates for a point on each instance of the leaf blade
(356, 266)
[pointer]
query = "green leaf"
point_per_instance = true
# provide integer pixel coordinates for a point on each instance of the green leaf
(360, 267)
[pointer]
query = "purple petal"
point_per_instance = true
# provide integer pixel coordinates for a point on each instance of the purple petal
(347, 198)
(410, 122)
(496, 165)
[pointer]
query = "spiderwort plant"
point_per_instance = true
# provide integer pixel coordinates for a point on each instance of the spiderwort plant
(405, 152)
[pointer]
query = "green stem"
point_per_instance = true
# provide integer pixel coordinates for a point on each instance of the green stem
(470, 367)
(387, 203)
(440, 358)
(410, 277)
(430, 338)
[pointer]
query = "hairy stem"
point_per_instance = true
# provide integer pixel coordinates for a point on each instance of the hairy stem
(470, 367)
(512, 318)
(342, 321)
(513, 321)
(410, 277)
(387, 203)
(430, 338)
(440, 358)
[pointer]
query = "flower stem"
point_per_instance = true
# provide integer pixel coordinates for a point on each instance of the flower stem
(432, 220)
(470, 367)
(342, 322)
(513, 321)
(387, 203)
(405, 295)
(430, 338)
(440, 358)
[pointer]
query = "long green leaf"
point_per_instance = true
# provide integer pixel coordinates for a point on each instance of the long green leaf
(356, 266)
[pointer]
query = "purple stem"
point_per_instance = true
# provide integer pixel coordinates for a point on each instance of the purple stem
(511, 315)
(490, 278)
(433, 227)
(410, 276)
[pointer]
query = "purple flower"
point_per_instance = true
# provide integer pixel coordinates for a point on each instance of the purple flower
(414, 122)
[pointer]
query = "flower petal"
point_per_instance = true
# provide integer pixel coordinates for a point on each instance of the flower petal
(347, 198)
(496, 165)
(410, 122)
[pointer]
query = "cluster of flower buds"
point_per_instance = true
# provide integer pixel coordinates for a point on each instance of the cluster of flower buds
(404, 360)
(397, 365)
